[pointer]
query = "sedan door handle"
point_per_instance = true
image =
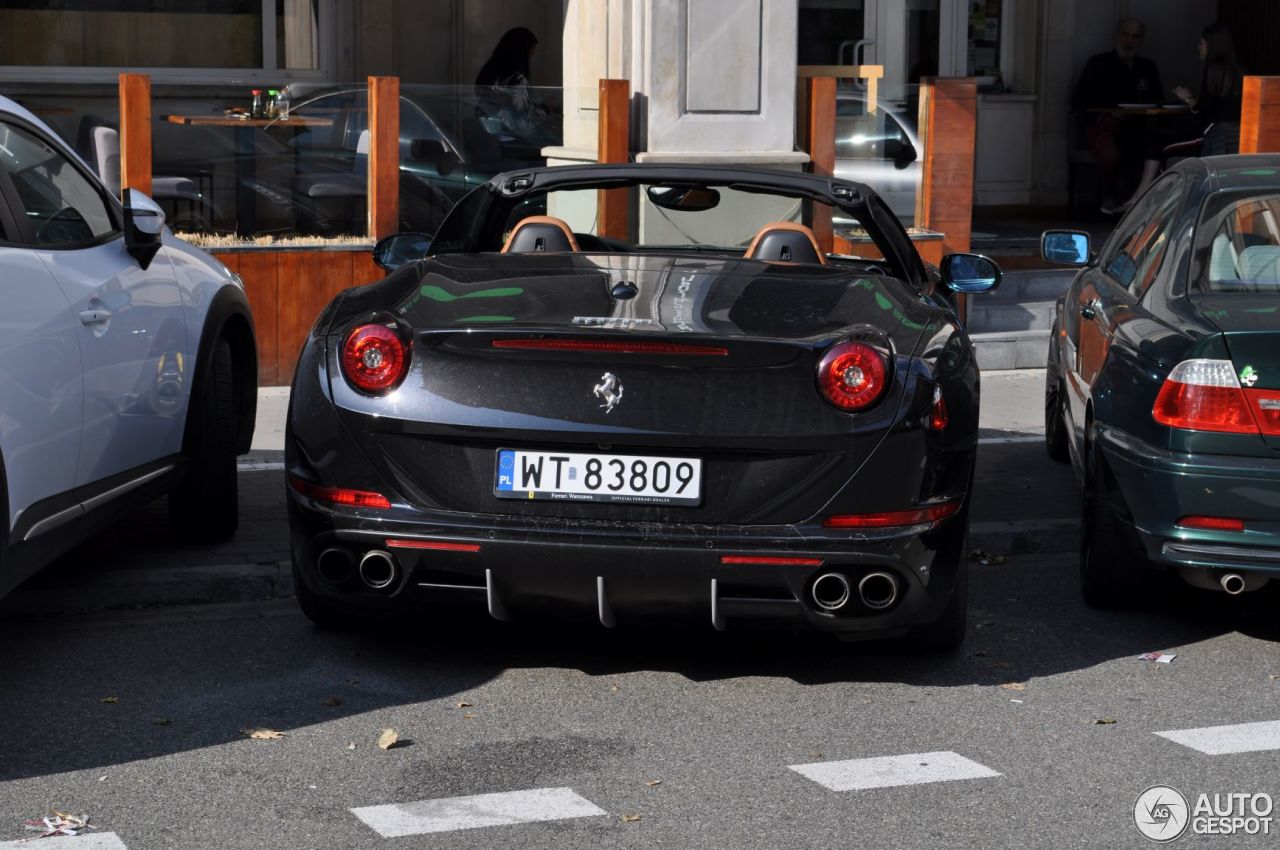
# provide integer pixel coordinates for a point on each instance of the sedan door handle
(1090, 309)
(95, 317)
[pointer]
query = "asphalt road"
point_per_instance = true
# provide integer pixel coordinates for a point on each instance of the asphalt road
(578, 737)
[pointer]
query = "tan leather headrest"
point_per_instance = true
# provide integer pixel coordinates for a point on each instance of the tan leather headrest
(540, 234)
(785, 242)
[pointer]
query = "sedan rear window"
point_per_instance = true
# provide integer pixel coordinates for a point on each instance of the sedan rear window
(1244, 255)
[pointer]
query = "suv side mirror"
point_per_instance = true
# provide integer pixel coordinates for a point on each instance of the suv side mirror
(433, 151)
(970, 274)
(143, 227)
(1070, 247)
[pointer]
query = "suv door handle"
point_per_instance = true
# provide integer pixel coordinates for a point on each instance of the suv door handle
(95, 317)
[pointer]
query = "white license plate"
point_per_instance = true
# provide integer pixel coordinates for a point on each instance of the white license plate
(573, 477)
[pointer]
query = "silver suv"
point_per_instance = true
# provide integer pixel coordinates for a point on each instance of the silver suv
(128, 366)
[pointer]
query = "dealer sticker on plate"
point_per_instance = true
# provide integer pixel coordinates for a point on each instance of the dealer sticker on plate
(572, 477)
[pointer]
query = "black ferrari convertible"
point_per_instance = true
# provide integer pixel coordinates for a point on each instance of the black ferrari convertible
(710, 420)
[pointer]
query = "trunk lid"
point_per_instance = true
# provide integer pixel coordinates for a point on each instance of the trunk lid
(1250, 326)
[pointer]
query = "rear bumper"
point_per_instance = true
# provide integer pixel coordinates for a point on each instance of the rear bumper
(1158, 487)
(614, 574)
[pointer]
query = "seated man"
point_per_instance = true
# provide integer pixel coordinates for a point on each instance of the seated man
(1119, 144)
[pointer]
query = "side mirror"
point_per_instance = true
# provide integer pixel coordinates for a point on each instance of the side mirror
(393, 252)
(143, 227)
(902, 152)
(970, 274)
(433, 151)
(1070, 247)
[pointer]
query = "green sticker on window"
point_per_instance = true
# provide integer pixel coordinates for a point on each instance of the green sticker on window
(1248, 376)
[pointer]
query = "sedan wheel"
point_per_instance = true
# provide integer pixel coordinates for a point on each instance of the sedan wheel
(1111, 569)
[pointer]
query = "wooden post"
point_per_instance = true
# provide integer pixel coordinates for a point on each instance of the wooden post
(135, 133)
(948, 131)
(384, 157)
(614, 145)
(819, 132)
(1260, 115)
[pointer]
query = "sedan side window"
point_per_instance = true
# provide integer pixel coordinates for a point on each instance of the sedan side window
(1139, 252)
(63, 206)
(863, 136)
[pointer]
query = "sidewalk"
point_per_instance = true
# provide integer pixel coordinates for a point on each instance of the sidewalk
(1022, 503)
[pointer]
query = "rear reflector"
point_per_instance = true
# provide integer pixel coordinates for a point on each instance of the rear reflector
(339, 495)
(1204, 395)
(1266, 409)
(938, 414)
(607, 346)
(890, 519)
(435, 545)
(770, 561)
(1211, 523)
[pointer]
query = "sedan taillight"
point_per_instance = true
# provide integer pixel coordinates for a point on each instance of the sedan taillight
(852, 375)
(374, 358)
(1204, 395)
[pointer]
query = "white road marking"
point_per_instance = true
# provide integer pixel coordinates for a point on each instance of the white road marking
(84, 841)
(891, 771)
(452, 813)
(1220, 740)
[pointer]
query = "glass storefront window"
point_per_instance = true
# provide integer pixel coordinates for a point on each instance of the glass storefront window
(213, 34)
(985, 21)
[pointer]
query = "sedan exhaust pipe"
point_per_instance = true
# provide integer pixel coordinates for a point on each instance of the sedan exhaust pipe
(334, 565)
(1232, 583)
(377, 569)
(830, 591)
(878, 590)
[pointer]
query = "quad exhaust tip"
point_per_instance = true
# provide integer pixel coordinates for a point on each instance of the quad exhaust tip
(878, 590)
(334, 565)
(378, 569)
(1232, 583)
(830, 591)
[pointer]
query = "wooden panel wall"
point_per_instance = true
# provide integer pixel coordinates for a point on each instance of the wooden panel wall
(614, 145)
(384, 156)
(287, 290)
(1260, 115)
(135, 133)
(948, 125)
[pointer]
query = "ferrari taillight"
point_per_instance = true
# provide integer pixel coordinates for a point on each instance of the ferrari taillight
(1204, 395)
(374, 358)
(852, 375)
(339, 495)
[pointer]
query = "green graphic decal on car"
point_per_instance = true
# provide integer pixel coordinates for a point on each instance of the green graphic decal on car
(1248, 376)
(435, 293)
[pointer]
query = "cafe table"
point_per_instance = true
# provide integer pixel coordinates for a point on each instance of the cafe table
(246, 169)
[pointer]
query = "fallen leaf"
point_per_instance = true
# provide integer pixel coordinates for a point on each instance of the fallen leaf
(262, 734)
(162, 721)
(630, 818)
(1103, 721)
(1014, 686)
(469, 715)
(815, 755)
(387, 739)
(464, 705)
(351, 745)
(111, 700)
(653, 782)
(1274, 676)
(613, 689)
(1016, 701)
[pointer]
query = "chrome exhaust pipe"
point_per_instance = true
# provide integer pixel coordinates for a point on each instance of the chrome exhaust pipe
(830, 591)
(377, 569)
(1232, 583)
(878, 590)
(334, 565)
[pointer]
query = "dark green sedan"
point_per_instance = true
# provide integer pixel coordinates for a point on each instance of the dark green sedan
(1163, 383)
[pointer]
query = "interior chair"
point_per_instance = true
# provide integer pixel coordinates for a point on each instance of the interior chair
(785, 242)
(177, 194)
(331, 202)
(1260, 264)
(540, 234)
